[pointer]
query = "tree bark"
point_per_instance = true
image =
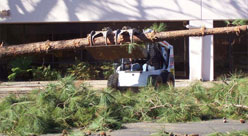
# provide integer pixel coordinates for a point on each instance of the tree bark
(50, 46)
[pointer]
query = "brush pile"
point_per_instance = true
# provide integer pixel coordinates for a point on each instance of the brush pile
(63, 106)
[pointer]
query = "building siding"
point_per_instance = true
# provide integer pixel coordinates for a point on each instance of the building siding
(23, 11)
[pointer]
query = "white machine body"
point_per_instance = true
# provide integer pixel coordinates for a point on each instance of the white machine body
(131, 78)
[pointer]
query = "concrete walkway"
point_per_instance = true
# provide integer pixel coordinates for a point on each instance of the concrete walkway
(96, 84)
(19, 88)
(202, 128)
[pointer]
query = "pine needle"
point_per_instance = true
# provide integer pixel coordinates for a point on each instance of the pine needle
(158, 27)
(63, 106)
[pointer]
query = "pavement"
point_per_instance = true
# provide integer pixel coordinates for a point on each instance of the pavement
(202, 128)
(24, 87)
(20, 88)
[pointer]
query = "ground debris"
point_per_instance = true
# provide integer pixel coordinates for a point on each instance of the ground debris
(62, 106)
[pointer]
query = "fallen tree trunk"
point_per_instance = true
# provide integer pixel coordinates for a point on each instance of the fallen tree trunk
(50, 46)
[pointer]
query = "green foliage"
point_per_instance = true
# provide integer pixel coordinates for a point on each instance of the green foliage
(21, 70)
(236, 133)
(85, 70)
(162, 133)
(45, 73)
(21, 62)
(158, 27)
(132, 46)
(63, 106)
(20, 67)
(77, 133)
(81, 70)
(106, 69)
(240, 22)
(237, 22)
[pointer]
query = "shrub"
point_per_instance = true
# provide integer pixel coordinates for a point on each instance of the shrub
(86, 70)
(20, 68)
(45, 73)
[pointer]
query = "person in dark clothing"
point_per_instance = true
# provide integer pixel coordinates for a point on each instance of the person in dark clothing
(155, 57)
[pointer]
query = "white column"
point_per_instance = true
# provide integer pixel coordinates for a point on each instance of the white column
(208, 55)
(201, 53)
(195, 58)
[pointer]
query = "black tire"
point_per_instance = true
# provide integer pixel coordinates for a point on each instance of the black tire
(168, 78)
(151, 80)
(164, 76)
(113, 81)
(155, 81)
(171, 80)
(158, 82)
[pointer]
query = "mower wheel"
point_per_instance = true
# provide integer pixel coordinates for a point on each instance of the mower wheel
(113, 81)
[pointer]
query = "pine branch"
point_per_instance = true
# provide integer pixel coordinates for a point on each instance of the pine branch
(51, 46)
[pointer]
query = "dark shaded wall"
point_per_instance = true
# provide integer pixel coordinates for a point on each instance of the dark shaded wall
(230, 52)
(12, 34)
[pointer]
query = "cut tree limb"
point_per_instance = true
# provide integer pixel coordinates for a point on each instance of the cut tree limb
(50, 46)
(237, 106)
(241, 106)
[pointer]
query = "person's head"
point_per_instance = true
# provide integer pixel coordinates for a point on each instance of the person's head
(130, 60)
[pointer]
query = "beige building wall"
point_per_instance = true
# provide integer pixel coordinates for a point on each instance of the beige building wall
(121, 10)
